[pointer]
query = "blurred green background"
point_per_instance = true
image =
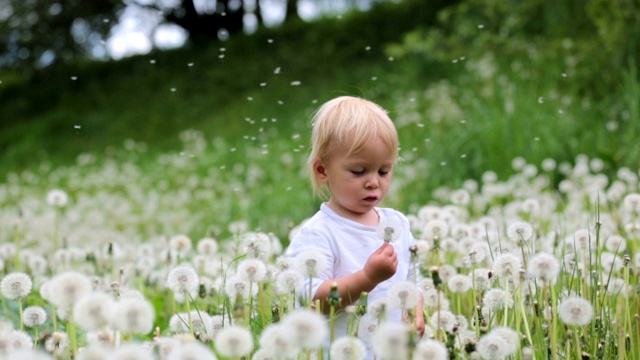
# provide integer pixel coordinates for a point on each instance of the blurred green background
(471, 85)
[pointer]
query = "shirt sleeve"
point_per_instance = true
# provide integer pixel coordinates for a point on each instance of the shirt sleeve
(308, 238)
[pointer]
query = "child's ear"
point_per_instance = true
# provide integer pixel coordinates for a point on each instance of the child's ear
(319, 171)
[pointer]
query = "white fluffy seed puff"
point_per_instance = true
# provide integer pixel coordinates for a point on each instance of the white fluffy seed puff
(543, 267)
(308, 328)
(575, 311)
(348, 348)
(34, 316)
(92, 311)
(310, 262)
(65, 289)
(253, 270)
(133, 315)
(430, 349)
(16, 285)
(183, 279)
(391, 341)
(234, 341)
(403, 295)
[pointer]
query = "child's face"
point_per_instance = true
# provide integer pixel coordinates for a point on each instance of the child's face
(358, 182)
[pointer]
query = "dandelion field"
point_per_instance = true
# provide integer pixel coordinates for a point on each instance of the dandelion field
(521, 187)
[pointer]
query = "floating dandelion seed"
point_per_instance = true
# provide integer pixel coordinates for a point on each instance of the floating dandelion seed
(296, 83)
(74, 78)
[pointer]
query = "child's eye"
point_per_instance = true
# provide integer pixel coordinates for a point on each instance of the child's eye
(357, 172)
(383, 172)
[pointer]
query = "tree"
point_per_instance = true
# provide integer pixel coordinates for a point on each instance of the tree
(42, 31)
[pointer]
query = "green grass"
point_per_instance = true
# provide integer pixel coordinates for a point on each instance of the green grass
(455, 122)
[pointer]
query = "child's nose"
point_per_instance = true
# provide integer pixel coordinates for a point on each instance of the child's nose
(372, 182)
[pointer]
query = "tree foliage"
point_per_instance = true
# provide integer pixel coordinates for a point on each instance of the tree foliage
(40, 32)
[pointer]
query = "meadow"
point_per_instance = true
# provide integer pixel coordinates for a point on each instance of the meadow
(518, 172)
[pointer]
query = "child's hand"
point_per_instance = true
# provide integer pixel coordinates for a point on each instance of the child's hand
(382, 264)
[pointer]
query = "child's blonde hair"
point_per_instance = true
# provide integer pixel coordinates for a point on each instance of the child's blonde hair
(348, 121)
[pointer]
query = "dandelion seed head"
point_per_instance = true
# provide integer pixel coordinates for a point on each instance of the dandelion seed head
(631, 203)
(57, 342)
(491, 347)
(207, 246)
(348, 348)
(496, 299)
(16, 285)
(510, 336)
(57, 198)
(252, 269)
(180, 243)
(429, 349)
(191, 351)
(389, 229)
(277, 341)
(543, 266)
(29, 354)
(183, 279)
(459, 283)
(308, 328)
(34, 316)
(256, 245)
(391, 340)
(575, 311)
(444, 320)
(435, 229)
(234, 341)
(403, 295)
(92, 311)
(65, 289)
(507, 266)
(133, 316)
(616, 243)
(289, 281)
(310, 262)
(132, 351)
(19, 339)
(519, 231)
(239, 287)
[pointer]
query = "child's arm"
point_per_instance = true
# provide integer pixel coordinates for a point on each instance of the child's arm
(380, 266)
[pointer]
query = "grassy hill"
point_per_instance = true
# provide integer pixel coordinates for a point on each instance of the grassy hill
(467, 100)
(151, 98)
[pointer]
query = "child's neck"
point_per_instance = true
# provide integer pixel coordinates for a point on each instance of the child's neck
(370, 218)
